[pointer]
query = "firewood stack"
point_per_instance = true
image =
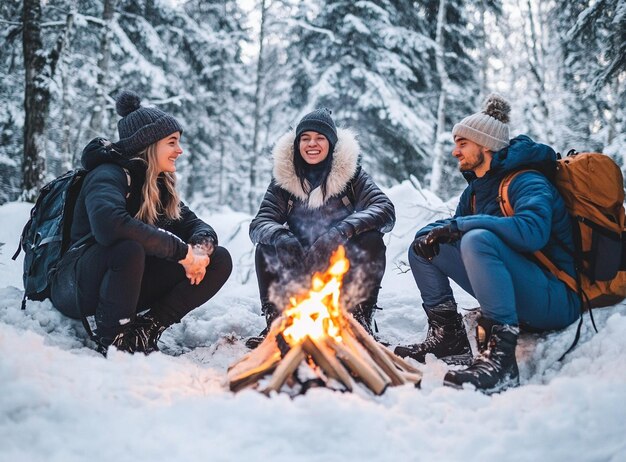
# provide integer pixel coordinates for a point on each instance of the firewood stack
(336, 364)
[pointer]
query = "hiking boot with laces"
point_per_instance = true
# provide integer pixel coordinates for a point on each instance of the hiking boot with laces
(364, 315)
(495, 368)
(270, 312)
(126, 340)
(446, 338)
(149, 331)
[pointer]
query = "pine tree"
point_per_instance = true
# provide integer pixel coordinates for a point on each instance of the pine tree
(592, 51)
(370, 63)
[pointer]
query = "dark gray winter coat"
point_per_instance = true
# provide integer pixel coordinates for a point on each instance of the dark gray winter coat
(312, 214)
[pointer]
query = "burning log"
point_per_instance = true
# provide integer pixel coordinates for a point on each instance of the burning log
(317, 333)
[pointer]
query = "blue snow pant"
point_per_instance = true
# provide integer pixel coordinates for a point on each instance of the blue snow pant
(509, 287)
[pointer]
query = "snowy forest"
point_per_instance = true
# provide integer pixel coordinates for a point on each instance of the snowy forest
(239, 74)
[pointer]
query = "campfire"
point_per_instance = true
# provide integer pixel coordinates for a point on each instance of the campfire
(316, 342)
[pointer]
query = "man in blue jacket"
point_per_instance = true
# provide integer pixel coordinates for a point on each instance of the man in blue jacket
(490, 256)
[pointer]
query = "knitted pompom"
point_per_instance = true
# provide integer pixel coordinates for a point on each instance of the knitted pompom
(127, 102)
(497, 107)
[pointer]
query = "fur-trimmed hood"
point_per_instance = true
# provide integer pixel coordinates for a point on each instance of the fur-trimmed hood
(343, 168)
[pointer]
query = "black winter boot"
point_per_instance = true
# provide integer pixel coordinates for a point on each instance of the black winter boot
(495, 368)
(446, 338)
(126, 340)
(269, 310)
(364, 315)
(149, 330)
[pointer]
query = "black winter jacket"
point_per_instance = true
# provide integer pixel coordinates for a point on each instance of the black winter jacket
(312, 215)
(103, 208)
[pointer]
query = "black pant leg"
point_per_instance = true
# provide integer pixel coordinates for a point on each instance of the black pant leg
(108, 280)
(361, 284)
(268, 269)
(276, 281)
(169, 294)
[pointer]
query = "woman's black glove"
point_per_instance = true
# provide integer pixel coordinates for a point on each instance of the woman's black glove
(289, 252)
(427, 246)
(202, 243)
(327, 243)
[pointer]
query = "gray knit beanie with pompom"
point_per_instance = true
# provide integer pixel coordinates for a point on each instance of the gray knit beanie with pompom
(141, 126)
(488, 128)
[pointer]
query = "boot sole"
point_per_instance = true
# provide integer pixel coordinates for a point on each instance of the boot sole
(253, 342)
(452, 360)
(458, 360)
(490, 391)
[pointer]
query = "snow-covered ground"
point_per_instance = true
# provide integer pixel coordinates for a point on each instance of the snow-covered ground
(61, 401)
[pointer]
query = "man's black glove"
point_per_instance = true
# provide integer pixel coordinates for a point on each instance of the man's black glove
(320, 251)
(444, 234)
(289, 252)
(427, 246)
(423, 249)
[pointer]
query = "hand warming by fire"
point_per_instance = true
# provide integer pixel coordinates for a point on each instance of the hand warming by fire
(316, 342)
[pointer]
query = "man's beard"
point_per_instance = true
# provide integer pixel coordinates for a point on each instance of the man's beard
(467, 167)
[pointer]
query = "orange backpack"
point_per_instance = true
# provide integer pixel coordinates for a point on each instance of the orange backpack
(592, 187)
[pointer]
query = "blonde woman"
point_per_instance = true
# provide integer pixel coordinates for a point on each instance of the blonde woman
(134, 245)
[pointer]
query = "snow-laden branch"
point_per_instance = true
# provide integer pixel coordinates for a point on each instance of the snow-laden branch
(307, 26)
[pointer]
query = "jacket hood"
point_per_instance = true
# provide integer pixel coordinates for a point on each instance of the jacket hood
(344, 166)
(522, 152)
(101, 151)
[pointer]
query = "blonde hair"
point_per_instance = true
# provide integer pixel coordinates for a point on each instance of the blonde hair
(151, 207)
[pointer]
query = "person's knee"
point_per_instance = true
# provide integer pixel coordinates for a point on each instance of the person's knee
(127, 254)
(477, 240)
(416, 260)
(369, 239)
(218, 272)
(368, 246)
(265, 256)
(222, 263)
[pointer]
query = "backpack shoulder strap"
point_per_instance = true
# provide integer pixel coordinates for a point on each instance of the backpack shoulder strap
(503, 192)
(507, 211)
(347, 203)
(128, 181)
(349, 198)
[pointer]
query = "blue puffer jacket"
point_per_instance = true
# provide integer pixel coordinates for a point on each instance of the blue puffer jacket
(540, 222)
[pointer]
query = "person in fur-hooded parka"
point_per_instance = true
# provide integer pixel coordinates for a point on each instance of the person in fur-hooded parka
(320, 198)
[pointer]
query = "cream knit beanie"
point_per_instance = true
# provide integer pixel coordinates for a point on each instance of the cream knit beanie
(488, 128)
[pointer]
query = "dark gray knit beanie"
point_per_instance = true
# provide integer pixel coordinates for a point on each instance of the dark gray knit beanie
(141, 126)
(319, 121)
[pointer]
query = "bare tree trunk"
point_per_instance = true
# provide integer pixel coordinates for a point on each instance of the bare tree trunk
(485, 52)
(36, 92)
(96, 124)
(66, 115)
(536, 53)
(611, 132)
(220, 191)
(254, 152)
(435, 176)
(39, 69)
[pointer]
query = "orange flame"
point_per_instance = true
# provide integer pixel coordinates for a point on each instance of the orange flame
(318, 313)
